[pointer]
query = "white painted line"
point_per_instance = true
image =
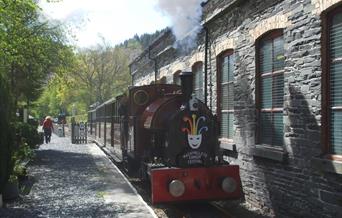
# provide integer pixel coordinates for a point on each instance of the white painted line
(130, 185)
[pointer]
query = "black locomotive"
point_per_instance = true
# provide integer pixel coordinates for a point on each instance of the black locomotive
(171, 138)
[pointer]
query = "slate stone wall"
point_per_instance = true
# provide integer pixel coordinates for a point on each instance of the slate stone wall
(291, 182)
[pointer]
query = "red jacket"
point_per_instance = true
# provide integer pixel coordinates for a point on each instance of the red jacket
(47, 124)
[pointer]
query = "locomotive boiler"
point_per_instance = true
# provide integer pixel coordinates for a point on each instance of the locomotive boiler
(171, 138)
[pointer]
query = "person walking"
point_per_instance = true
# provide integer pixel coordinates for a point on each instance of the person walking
(47, 127)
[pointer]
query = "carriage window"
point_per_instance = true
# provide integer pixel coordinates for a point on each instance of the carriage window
(197, 70)
(270, 88)
(225, 84)
(332, 87)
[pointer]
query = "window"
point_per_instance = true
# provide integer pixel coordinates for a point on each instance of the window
(270, 88)
(197, 70)
(162, 80)
(176, 78)
(332, 82)
(225, 94)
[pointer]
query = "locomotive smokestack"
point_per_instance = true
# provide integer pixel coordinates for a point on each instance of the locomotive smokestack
(186, 83)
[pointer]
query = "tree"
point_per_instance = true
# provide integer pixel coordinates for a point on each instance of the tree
(103, 71)
(31, 51)
(30, 48)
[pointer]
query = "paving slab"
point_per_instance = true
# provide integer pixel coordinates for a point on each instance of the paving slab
(76, 181)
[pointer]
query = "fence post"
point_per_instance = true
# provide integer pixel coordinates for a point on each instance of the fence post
(77, 133)
(86, 133)
(72, 133)
(73, 130)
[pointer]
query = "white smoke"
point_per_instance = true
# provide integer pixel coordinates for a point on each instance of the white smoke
(185, 17)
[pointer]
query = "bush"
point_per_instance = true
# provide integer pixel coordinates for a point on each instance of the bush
(16, 139)
(20, 158)
(28, 133)
(27, 139)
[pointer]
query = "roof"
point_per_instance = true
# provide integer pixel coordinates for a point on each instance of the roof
(154, 42)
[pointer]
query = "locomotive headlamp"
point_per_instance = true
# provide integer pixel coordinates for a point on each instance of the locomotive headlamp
(228, 184)
(176, 188)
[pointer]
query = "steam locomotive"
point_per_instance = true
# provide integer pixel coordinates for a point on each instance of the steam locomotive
(171, 138)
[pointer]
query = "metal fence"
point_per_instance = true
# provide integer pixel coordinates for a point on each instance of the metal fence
(79, 133)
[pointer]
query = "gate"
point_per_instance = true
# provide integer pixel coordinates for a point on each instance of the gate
(79, 133)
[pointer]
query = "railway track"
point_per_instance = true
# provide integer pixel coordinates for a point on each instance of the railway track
(201, 210)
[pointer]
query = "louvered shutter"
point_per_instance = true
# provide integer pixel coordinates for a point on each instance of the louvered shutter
(271, 75)
(198, 81)
(336, 84)
(227, 96)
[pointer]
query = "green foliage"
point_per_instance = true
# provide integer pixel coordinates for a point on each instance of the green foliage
(145, 39)
(37, 64)
(31, 51)
(20, 158)
(103, 72)
(27, 139)
(91, 75)
(97, 74)
(28, 134)
(78, 118)
(23, 155)
(30, 48)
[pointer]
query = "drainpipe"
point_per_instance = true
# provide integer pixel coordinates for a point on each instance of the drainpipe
(155, 64)
(206, 65)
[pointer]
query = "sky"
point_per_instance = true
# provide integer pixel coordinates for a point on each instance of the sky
(114, 20)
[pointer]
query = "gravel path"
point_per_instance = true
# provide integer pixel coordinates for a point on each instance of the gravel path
(75, 181)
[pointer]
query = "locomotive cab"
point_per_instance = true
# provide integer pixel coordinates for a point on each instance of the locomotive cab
(141, 141)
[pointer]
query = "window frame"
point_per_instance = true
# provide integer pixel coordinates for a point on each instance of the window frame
(270, 35)
(326, 19)
(219, 62)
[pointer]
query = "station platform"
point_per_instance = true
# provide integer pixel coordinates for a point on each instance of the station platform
(76, 180)
(113, 151)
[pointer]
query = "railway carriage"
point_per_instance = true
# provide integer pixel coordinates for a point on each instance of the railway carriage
(171, 138)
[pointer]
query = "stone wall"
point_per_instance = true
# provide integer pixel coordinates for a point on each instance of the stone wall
(292, 185)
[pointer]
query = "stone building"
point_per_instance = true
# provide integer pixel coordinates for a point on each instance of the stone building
(272, 72)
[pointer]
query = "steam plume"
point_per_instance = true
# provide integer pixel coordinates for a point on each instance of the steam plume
(185, 16)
